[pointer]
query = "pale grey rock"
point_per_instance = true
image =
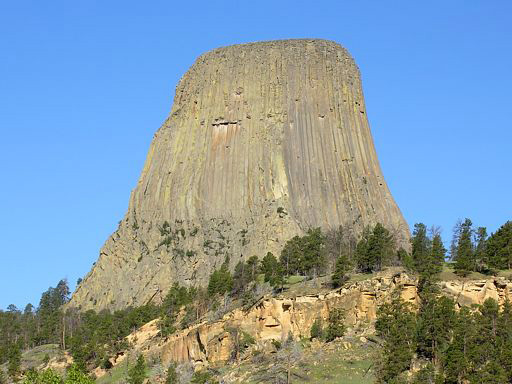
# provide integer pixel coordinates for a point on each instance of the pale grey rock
(264, 140)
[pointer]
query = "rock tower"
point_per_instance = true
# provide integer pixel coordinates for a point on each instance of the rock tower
(264, 140)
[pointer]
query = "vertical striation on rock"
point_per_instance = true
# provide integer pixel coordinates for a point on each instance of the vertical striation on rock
(264, 140)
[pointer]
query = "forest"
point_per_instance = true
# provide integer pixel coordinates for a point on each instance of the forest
(470, 344)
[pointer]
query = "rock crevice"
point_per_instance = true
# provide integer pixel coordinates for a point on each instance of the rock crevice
(264, 140)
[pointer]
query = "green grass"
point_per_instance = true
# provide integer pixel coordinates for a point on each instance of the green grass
(448, 273)
(349, 366)
(327, 363)
(35, 357)
(506, 273)
(294, 279)
(117, 374)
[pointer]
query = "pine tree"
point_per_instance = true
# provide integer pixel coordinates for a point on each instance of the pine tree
(304, 255)
(374, 250)
(481, 261)
(241, 278)
(364, 264)
(505, 339)
(435, 321)
(341, 269)
(380, 247)
(438, 254)
(432, 264)
(499, 247)
(335, 324)
(457, 361)
(14, 366)
(252, 263)
(221, 280)
(317, 331)
(137, 373)
(421, 247)
(465, 261)
(272, 270)
(396, 325)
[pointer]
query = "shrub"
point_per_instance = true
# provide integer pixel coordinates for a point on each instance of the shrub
(317, 331)
(137, 373)
(336, 327)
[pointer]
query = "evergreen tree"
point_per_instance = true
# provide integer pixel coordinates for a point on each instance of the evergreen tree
(335, 325)
(314, 252)
(380, 247)
(137, 373)
(481, 260)
(341, 269)
(317, 331)
(14, 366)
(432, 265)
(457, 361)
(374, 250)
(272, 270)
(499, 247)
(505, 339)
(465, 261)
(304, 255)
(404, 259)
(421, 247)
(253, 263)
(364, 264)
(435, 321)
(241, 277)
(396, 325)
(437, 255)
(221, 280)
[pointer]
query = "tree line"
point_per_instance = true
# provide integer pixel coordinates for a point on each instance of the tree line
(94, 338)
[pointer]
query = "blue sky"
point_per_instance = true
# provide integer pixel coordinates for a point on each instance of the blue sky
(85, 84)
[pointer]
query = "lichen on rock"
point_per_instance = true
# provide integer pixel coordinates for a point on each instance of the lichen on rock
(264, 141)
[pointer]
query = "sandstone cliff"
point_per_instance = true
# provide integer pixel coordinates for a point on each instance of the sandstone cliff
(264, 141)
(275, 318)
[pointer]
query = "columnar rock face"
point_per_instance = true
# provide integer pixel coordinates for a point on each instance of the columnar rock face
(264, 141)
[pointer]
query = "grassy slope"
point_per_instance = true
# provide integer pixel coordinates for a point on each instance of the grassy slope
(346, 361)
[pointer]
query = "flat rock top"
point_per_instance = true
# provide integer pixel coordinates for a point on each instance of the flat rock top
(290, 46)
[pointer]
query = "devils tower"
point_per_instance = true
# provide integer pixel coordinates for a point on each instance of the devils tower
(264, 140)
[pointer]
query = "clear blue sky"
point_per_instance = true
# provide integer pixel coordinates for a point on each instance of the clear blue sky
(85, 84)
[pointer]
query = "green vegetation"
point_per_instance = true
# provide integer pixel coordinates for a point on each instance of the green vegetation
(221, 281)
(48, 376)
(304, 255)
(473, 251)
(172, 375)
(341, 270)
(374, 250)
(335, 325)
(203, 377)
(472, 345)
(137, 373)
(396, 325)
(450, 345)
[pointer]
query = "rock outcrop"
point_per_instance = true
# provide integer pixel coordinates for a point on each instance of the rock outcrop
(264, 141)
(275, 318)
